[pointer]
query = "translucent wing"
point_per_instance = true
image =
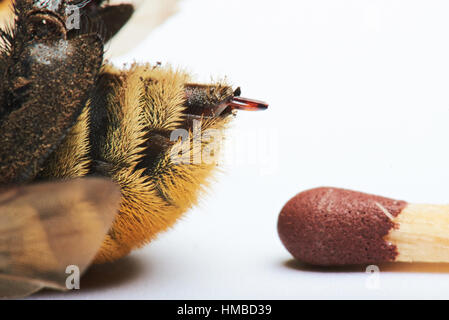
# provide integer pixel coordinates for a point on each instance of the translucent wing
(45, 228)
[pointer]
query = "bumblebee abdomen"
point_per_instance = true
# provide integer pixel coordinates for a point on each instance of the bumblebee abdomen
(132, 115)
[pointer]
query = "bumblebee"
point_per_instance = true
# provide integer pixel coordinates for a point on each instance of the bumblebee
(86, 152)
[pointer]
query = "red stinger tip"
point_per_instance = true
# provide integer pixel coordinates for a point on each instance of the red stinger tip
(247, 104)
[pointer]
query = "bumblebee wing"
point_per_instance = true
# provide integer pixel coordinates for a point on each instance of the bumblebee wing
(47, 227)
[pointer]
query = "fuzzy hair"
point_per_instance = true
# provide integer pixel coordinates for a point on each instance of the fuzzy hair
(141, 107)
(71, 159)
(6, 13)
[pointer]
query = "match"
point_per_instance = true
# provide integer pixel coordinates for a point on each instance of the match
(335, 227)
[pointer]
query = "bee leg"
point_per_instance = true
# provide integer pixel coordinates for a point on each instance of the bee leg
(58, 77)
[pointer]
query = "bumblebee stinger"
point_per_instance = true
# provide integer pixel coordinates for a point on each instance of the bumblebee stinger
(72, 129)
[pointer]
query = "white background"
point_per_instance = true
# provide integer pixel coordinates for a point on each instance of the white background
(359, 98)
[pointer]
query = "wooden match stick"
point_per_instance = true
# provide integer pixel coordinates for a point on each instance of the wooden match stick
(330, 226)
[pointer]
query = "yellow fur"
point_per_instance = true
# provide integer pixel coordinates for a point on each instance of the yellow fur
(6, 15)
(163, 97)
(149, 204)
(71, 159)
(143, 99)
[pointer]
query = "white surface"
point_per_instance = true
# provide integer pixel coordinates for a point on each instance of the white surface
(359, 98)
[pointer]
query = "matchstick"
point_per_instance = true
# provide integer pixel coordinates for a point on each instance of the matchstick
(330, 226)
